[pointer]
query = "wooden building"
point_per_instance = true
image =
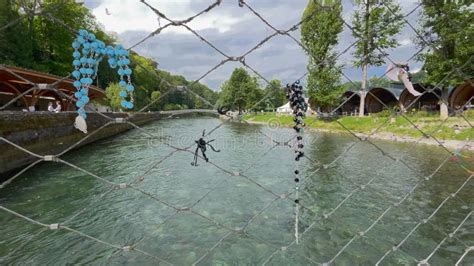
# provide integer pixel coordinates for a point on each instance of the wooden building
(22, 88)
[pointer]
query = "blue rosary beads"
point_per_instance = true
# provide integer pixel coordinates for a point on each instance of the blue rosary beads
(88, 53)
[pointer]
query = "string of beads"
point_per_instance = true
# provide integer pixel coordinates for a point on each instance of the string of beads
(299, 106)
(88, 53)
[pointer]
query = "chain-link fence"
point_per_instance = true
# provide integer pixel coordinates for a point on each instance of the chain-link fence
(306, 216)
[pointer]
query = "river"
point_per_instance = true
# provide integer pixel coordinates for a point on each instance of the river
(57, 193)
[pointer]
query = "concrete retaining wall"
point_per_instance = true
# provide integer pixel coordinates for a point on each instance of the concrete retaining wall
(47, 133)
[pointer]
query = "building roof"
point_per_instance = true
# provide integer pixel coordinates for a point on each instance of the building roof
(18, 80)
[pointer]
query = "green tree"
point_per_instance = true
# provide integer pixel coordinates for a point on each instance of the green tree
(44, 44)
(240, 91)
(375, 24)
(352, 86)
(418, 77)
(112, 93)
(52, 40)
(379, 82)
(41, 42)
(275, 93)
(255, 97)
(144, 78)
(210, 96)
(447, 29)
(154, 99)
(151, 83)
(14, 45)
(324, 75)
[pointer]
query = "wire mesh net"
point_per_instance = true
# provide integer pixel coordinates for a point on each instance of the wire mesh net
(278, 222)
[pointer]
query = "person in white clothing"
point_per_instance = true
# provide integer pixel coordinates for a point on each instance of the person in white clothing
(50, 107)
(58, 107)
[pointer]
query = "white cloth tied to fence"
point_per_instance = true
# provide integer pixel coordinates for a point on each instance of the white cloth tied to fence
(81, 124)
(397, 73)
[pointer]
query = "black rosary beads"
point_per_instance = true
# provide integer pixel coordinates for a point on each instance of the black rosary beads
(299, 107)
(201, 145)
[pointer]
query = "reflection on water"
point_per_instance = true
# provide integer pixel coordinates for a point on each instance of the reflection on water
(53, 193)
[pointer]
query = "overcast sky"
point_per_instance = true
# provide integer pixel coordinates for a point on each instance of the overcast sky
(234, 30)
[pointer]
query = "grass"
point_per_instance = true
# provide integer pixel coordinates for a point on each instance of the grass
(455, 128)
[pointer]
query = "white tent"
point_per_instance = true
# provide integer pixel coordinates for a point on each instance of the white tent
(286, 109)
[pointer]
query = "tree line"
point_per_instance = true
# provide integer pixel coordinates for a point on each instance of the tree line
(242, 92)
(444, 37)
(40, 43)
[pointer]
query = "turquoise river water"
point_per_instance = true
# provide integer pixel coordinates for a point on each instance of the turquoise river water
(208, 215)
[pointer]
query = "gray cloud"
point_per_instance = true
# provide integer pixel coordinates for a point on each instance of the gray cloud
(280, 58)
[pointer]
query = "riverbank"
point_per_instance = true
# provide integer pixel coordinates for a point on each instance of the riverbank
(454, 133)
(46, 133)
